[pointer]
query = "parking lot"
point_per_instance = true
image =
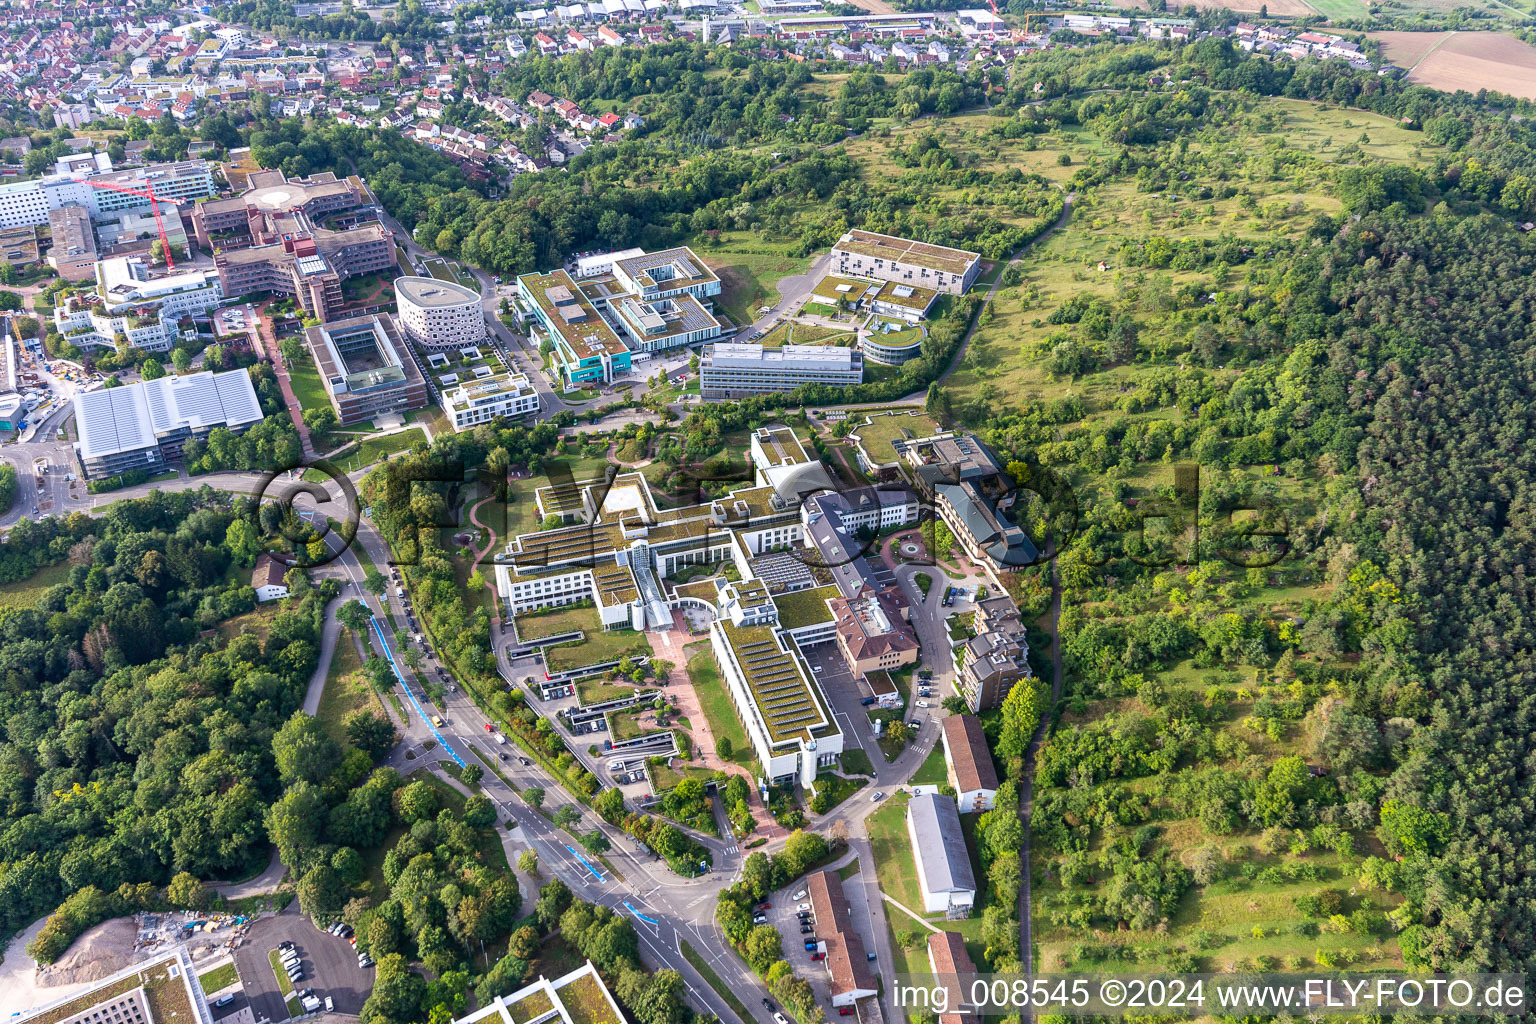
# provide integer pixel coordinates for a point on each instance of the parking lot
(330, 966)
(844, 693)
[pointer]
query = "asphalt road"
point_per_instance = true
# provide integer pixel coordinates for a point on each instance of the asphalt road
(330, 965)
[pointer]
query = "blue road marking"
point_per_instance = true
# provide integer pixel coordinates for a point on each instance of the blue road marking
(389, 656)
(586, 863)
(647, 920)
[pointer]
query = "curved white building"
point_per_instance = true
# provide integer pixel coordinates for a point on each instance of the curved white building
(439, 314)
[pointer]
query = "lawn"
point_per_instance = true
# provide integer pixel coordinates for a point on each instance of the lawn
(855, 762)
(894, 865)
(346, 690)
(307, 386)
(554, 621)
(750, 269)
(377, 449)
(882, 429)
(837, 788)
(719, 712)
(26, 593)
(598, 647)
(934, 771)
(595, 691)
(222, 976)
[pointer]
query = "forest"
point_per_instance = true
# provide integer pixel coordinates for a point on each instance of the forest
(136, 745)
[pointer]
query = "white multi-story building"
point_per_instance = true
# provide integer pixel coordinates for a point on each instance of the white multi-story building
(29, 202)
(143, 310)
(785, 714)
(439, 315)
(888, 258)
(734, 370)
(480, 401)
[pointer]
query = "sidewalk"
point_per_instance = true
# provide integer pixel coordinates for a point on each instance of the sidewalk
(669, 644)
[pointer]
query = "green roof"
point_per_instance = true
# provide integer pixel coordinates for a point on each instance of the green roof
(804, 607)
(788, 702)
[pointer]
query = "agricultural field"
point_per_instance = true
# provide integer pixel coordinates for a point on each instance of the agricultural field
(1468, 61)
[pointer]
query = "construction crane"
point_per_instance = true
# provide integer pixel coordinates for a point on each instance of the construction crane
(148, 192)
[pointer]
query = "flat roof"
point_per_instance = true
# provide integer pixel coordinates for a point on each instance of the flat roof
(430, 293)
(786, 700)
(665, 318)
(134, 416)
(579, 326)
(752, 356)
(679, 266)
(905, 250)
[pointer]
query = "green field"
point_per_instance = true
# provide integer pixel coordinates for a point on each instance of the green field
(934, 771)
(26, 593)
(346, 690)
(894, 865)
(376, 449)
(220, 977)
(719, 712)
(750, 269)
(307, 386)
(601, 646)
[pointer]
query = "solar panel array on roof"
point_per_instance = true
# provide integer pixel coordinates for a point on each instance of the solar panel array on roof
(112, 420)
(137, 415)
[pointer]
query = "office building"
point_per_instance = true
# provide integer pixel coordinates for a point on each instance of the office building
(134, 307)
(439, 315)
(30, 202)
(656, 325)
(734, 370)
(482, 400)
(617, 305)
(145, 424)
(365, 367)
(299, 238)
(970, 768)
(905, 262)
(938, 845)
(165, 984)
(971, 494)
(873, 632)
(73, 253)
(659, 275)
(586, 348)
(847, 963)
(786, 716)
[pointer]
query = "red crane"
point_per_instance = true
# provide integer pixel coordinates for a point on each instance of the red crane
(148, 192)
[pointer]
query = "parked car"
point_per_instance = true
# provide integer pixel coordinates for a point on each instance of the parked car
(806, 929)
(874, 797)
(768, 1003)
(818, 956)
(799, 895)
(845, 1011)
(804, 906)
(867, 701)
(765, 905)
(810, 945)
(224, 1000)
(759, 919)
(779, 1018)
(922, 703)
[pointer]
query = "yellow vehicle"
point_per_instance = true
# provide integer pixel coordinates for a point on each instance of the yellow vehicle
(437, 721)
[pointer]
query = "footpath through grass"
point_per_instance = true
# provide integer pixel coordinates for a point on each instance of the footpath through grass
(894, 866)
(716, 704)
